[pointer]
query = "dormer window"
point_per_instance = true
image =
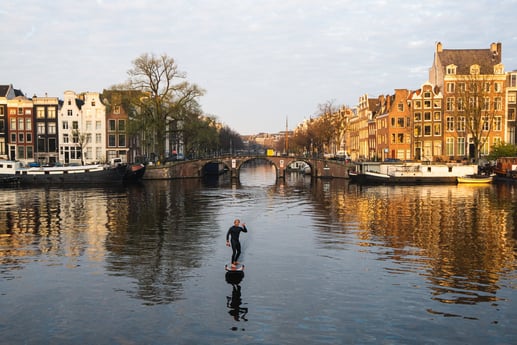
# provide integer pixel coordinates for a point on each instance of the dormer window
(498, 69)
(474, 69)
(451, 69)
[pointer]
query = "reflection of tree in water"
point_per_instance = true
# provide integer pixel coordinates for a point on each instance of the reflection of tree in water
(168, 226)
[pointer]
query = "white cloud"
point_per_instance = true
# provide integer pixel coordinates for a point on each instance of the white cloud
(258, 61)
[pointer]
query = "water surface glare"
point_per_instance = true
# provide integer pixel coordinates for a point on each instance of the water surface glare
(327, 262)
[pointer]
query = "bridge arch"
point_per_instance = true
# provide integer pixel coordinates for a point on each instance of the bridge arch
(195, 168)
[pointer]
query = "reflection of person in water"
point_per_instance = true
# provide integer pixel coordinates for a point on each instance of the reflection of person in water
(235, 302)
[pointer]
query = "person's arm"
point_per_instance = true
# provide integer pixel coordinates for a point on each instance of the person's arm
(244, 229)
(228, 237)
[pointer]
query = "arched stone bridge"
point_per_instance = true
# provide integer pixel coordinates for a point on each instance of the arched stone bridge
(195, 168)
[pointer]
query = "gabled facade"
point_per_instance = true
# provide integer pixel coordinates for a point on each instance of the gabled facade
(398, 132)
(46, 129)
(473, 85)
(117, 125)
(20, 129)
(93, 128)
(69, 119)
(6, 93)
(427, 116)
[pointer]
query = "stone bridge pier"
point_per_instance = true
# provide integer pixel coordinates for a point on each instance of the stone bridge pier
(320, 168)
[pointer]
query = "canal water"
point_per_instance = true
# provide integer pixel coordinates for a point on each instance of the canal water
(327, 262)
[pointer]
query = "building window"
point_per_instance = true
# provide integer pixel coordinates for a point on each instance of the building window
(427, 130)
(41, 128)
(112, 125)
(450, 87)
(52, 128)
(437, 103)
(65, 124)
(450, 104)
(21, 124)
(98, 138)
(449, 146)
(40, 112)
(451, 69)
(13, 124)
(122, 140)
(427, 104)
(460, 104)
(21, 138)
(497, 87)
(461, 123)
(418, 116)
(400, 106)
(486, 103)
(111, 140)
(418, 131)
(400, 122)
(28, 137)
(116, 109)
(437, 116)
(66, 140)
(498, 123)
(21, 152)
(461, 146)
(513, 80)
(418, 104)
(511, 97)
(98, 125)
(75, 125)
(498, 103)
(474, 69)
(437, 129)
(51, 113)
(69, 112)
(450, 124)
(427, 116)
(122, 125)
(485, 125)
(13, 137)
(88, 126)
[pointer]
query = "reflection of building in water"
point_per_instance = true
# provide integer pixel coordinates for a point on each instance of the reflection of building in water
(466, 232)
(457, 226)
(66, 221)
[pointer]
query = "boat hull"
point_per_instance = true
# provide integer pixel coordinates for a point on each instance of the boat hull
(475, 180)
(12, 172)
(409, 173)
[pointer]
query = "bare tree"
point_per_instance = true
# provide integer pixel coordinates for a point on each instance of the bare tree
(166, 92)
(474, 107)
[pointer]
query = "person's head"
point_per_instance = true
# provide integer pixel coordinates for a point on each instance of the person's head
(236, 222)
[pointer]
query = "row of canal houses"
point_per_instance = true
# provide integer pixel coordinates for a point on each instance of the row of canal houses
(78, 129)
(426, 124)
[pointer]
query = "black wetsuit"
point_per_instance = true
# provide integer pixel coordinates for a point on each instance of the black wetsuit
(234, 232)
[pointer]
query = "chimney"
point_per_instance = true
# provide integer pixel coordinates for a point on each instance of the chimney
(439, 48)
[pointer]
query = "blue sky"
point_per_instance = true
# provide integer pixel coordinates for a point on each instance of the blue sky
(260, 61)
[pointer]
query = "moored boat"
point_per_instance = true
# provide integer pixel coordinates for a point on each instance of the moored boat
(81, 174)
(410, 173)
(505, 169)
(475, 179)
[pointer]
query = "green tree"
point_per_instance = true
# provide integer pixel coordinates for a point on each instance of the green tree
(503, 150)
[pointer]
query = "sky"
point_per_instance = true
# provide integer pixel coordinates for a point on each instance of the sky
(264, 64)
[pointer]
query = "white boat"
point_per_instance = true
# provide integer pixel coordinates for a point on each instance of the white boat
(475, 179)
(13, 172)
(410, 172)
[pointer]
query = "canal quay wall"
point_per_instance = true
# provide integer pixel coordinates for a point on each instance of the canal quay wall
(320, 168)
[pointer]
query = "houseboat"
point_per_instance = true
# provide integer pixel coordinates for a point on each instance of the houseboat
(410, 172)
(14, 172)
